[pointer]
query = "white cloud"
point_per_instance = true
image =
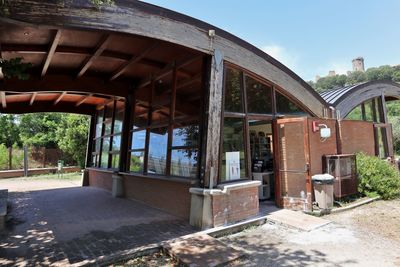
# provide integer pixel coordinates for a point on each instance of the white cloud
(288, 58)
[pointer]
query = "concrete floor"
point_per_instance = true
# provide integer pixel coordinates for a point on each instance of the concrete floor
(70, 225)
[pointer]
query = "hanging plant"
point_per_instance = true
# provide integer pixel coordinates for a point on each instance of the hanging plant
(15, 68)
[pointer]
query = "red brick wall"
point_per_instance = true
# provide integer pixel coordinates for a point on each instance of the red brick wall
(170, 196)
(357, 136)
(319, 148)
(238, 205)
(101, 179)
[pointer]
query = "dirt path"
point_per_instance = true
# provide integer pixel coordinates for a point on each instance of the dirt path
(367, 236)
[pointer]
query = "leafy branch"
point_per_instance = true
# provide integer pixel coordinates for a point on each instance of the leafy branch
(15, 68)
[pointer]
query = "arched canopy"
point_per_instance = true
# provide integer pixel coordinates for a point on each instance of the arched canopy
(347, 98)
(124, 45)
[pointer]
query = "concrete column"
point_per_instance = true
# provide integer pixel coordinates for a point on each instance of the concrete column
(117, 185)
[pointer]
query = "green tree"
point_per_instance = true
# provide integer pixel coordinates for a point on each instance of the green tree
(355, 77)
(9, 130)
(72, 137)
(40, 129)
(330, 82)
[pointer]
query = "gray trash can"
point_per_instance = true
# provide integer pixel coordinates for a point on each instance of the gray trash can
(323, 190)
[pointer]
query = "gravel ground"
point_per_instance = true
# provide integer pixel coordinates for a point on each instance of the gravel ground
(365, 236)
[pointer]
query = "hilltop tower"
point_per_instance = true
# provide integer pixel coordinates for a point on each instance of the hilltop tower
(358, 64)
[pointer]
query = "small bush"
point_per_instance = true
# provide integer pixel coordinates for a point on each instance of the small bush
(377, 176)
(3, 157)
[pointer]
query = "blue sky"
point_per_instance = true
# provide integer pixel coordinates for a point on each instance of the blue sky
(310, 36)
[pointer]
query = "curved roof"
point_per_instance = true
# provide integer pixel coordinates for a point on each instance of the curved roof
(149, 21)
(345, 99)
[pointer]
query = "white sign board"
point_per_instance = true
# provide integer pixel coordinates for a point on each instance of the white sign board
(232, 165)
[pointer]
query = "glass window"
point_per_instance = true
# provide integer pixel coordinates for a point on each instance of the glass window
(99, 123)
(158, 150)
(137, 161)
(114, 161)
(138, 139)
(104, 159)
(116, 143)
(184, 162)
(233, 165)
(106, 144)
(259, 97)
(186, 136)
(285, 106)
(355, 114)
(97, 145)
(233, 91)
(119, 118)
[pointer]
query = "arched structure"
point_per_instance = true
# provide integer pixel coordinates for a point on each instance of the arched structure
(367, 102)
(345, 99)
(187, 114)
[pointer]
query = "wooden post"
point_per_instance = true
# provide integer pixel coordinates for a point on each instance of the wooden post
(25, 161)
(10, 158)
(213, 117)
(126, 129)
(90, 137)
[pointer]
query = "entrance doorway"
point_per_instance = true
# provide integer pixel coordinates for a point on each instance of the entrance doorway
(262, 157)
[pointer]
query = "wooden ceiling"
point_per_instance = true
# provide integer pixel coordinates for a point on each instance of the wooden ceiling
(78, 71)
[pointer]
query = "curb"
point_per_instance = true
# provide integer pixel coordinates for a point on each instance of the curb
(355, 205)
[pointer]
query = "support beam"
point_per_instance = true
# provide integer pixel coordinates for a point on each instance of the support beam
(169, 68)
(125, 136)
(3, 99)
(106, 102)
(98, 51)
(59, 98)
(83, 99)
(51, 52)
(33, 97)
(132, 61)
(90, 142)
(72, 50)
(57, 83)
(213, 121)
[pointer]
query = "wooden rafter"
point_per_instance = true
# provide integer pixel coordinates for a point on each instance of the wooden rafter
(169, 68)
(189, 81)
(72, 50)
(106, 102)
(132, 61)
(33, 97)
(83, 99)
(51, 52)
(3, 99)
(59, 98)
(102, 45)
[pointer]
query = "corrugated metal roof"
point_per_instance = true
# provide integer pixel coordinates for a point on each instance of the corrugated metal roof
(333, 95)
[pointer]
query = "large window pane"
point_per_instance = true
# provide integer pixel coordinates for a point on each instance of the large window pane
(259, 97)
(97, 145)
(137, 161)
(233, 91)
(99, 123)
(186, 136)
(116, 143)
(114, 161)
(158, 150)
(138, 139)
(104, 159)
(233, 165)
(184, 162)
(285, 106)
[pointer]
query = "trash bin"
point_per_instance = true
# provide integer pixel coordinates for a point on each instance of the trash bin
(323, 190)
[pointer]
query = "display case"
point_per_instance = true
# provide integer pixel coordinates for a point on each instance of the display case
(343, 168)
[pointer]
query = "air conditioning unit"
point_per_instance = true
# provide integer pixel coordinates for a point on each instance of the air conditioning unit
(343, 168)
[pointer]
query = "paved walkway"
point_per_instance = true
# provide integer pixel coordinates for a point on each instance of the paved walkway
(70, 225)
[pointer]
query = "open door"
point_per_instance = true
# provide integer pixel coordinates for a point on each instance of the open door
(292, 160)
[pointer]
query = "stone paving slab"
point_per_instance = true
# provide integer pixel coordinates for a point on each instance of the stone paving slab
(76, 226)
(297, 220)
(201, 250)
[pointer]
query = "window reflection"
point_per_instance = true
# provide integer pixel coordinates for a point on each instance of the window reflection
(285, 106)
(184, 162)
(137, 161)
(259, 97)
(158, 150)
(233, 91)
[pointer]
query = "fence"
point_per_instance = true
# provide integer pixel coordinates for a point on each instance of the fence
(12, 158)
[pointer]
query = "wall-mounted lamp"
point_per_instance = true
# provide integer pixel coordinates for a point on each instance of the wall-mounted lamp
(324, 130)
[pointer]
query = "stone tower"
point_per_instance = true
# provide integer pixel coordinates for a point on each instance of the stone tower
(358, 64)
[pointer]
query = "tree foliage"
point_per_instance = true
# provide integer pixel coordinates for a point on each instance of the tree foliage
(384, 72)
(9, 131)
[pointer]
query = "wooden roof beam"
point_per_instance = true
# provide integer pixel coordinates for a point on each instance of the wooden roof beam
(106, 102)
(132, 61)
(3, 99)
(170, 67)
(59, 98)
(33, 97)
(83, 99)
(102, 45)
(51, 52)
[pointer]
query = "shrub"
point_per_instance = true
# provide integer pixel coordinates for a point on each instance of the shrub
(377, 176)
(3, 157)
